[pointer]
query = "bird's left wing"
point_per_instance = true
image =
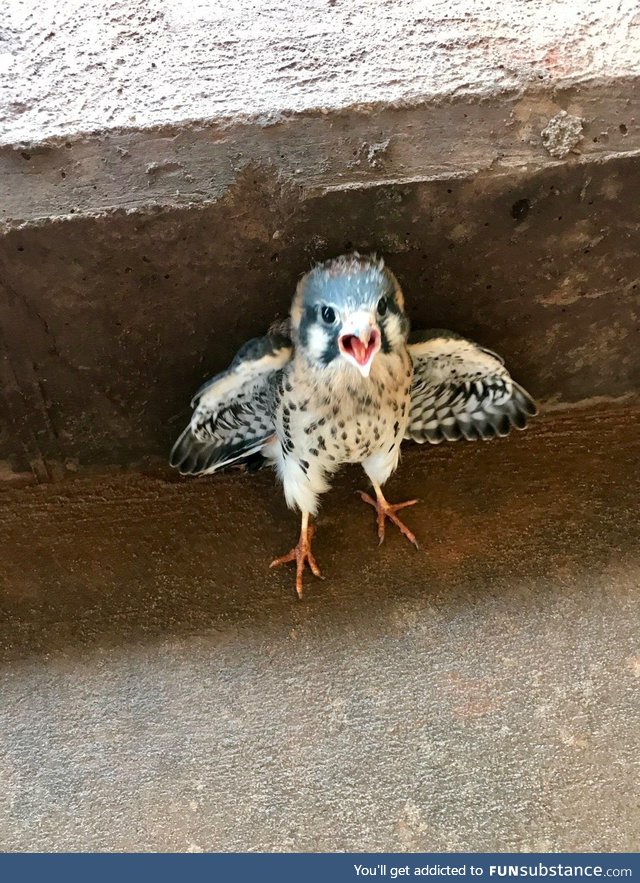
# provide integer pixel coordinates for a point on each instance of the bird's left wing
(233, 416)
(461, 390)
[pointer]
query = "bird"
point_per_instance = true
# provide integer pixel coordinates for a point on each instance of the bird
(341, 381)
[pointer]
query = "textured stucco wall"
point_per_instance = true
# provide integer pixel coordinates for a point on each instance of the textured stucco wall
(136, 105)
(75, 66)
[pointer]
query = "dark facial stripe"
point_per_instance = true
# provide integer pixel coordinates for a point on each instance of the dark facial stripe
(332, 351)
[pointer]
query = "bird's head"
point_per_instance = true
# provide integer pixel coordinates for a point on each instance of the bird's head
(347, 310)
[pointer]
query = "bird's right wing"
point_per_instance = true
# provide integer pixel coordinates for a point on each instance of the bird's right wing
(234, 412)
(461, 390)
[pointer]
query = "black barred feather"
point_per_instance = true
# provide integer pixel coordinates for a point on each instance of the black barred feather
(234, 412)
(462, 390)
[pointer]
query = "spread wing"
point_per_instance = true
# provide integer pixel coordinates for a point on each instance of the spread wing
(234, 412)
(461, 390)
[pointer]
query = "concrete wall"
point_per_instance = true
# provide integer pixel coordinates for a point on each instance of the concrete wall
(111, 323)
(75, 66)
(167, 175)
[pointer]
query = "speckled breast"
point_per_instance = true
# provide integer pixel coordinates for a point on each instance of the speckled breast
(343, 418)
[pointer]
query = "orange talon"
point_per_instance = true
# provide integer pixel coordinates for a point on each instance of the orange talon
(301, 553)
(387, 510)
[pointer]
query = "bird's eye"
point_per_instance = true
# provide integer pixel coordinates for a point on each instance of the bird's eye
(328, 315)
(382, 306)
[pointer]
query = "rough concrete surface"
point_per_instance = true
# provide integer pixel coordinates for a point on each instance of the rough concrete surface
(319, 152)
(130, 105)
(110, 324)
(161, 689)
(70, 66)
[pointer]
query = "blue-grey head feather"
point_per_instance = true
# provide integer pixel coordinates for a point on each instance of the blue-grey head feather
(347, 284)
(350, 281)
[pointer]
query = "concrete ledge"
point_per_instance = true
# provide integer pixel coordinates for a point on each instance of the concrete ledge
(319, 152)
(121, 105)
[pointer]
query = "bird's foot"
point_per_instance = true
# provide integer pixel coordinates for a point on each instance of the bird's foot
(300, 554)
(388, 510)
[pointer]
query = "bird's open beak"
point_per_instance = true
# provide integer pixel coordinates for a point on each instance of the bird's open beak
(359, 341)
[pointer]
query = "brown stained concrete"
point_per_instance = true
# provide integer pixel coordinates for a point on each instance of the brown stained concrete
(162, 689)
(109, 324)
(316, 151)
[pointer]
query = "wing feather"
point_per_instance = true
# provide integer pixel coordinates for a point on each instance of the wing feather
(462, 390)
(233, 417)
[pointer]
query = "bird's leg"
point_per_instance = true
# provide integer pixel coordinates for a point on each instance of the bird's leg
(387, 510)
(301, 553)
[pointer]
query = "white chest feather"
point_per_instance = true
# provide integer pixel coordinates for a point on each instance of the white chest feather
(327, 417)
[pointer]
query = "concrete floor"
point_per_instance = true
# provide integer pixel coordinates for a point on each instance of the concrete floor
(163, 690)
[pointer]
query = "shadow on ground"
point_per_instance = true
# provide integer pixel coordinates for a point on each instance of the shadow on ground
(162, 689)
